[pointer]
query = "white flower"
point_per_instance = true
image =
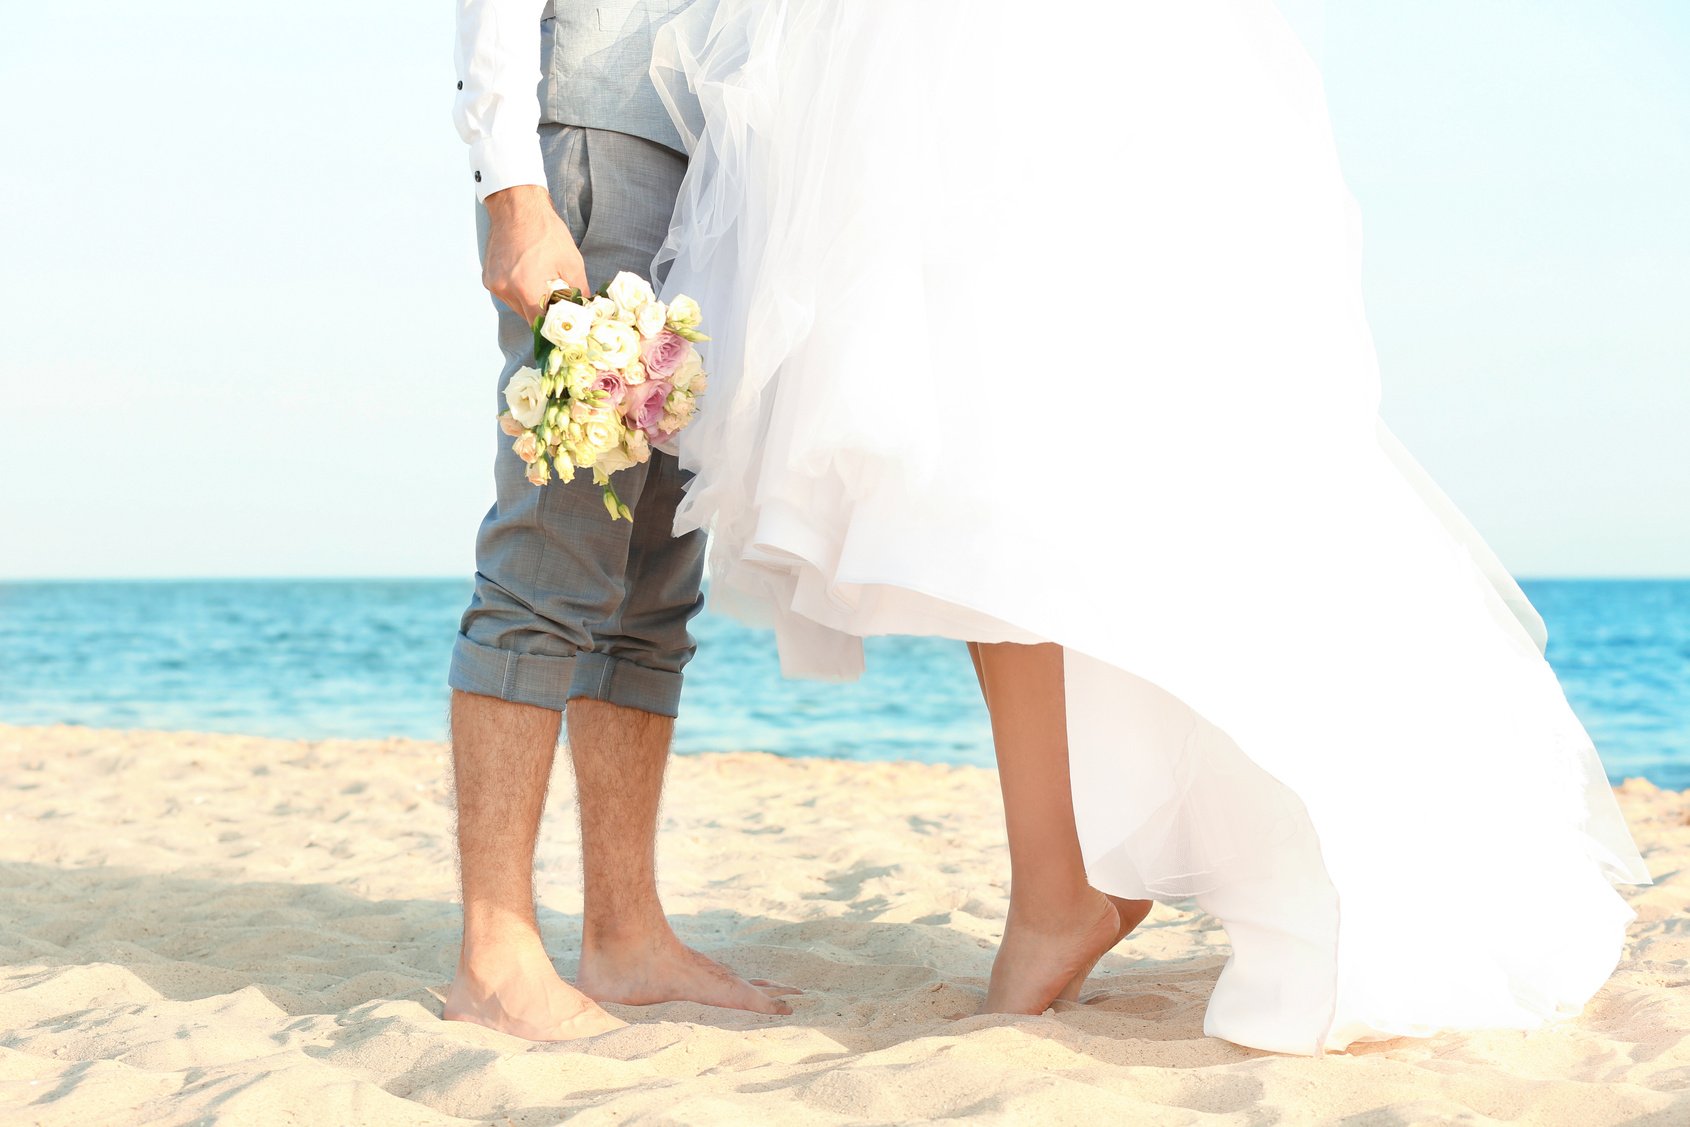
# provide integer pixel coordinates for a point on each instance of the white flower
(614, 345)
(526, 397)
(604, 309)
(584, 411)
(578, 377)
(539, 473)
(650, 318)
(614, 459)
(601, 435)
(567, 324)
(684, 313)
(629, 291)
(565, 468)
(634, 374)
(691, 369)
(637, 445)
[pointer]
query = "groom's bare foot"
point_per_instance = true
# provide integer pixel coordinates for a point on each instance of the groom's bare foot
(1041, 953)
(1131, 913)
(657, 967)
(512, 987)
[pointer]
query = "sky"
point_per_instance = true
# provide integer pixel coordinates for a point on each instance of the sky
(243, 331)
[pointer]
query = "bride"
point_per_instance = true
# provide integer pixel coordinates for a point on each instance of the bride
(1041, 328)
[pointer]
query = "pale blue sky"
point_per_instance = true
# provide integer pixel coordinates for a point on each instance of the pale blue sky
(244, 333)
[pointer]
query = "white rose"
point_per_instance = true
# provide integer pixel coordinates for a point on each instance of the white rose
(650, 318)
(567, 324)
(691, 369)
(629, 291)
(634, 374)
(601, 435)
(526, 397)
(614, 345)
(604, 309)
(684, 313)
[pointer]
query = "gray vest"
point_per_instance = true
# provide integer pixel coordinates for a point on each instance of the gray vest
(596, 58)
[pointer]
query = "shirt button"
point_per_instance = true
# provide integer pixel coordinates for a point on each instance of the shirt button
(478, 177)
(460, 86)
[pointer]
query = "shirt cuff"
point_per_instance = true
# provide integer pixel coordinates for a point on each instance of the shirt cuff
(498, 163)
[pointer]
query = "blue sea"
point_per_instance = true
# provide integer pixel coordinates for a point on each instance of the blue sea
(367, 658)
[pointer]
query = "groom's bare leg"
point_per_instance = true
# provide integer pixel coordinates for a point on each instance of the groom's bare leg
(629, 954)
(502, 762)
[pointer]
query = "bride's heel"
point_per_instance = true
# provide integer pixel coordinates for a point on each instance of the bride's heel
(1131, 913)
(1036, 958)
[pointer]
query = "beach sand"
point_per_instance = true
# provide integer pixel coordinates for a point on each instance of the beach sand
(223, 929)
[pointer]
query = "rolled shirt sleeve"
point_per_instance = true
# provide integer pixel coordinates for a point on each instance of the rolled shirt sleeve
(497, 110)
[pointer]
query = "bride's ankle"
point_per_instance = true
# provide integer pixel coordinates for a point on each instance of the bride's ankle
(1057, 909)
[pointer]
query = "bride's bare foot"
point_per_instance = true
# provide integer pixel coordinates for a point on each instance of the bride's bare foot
(1041, 953)
(513, 988)
(1131, 913)
(660, 968)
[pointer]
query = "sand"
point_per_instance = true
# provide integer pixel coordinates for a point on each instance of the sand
(223, 929)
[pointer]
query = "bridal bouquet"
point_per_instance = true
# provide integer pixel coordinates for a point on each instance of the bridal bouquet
(617, 373)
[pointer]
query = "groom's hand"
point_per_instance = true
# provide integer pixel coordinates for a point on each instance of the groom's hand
(527, 247)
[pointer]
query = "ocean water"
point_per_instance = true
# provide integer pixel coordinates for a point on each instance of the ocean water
(367, 658)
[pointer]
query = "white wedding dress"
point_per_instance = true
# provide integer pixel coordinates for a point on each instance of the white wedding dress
(1044, 323)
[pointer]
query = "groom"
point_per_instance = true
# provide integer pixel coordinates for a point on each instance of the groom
(576, 165)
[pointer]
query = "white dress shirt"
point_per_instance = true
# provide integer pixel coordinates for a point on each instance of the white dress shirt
(497, 110)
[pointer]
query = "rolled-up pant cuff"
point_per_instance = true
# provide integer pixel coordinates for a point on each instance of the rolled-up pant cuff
(549, 681)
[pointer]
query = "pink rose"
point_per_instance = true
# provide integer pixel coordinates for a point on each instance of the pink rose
(614, 389)
(644, 406)
(664, 353)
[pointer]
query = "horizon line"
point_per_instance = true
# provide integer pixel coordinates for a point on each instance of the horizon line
(1619, 577)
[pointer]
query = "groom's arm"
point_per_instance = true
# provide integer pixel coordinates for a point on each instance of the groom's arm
(497, 112)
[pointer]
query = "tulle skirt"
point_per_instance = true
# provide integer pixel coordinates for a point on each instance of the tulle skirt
(1045, 324)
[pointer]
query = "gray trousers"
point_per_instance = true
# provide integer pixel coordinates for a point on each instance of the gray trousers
(567, 602)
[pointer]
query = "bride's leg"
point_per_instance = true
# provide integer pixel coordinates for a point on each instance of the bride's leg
(1130, 913)
(1058, 925)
